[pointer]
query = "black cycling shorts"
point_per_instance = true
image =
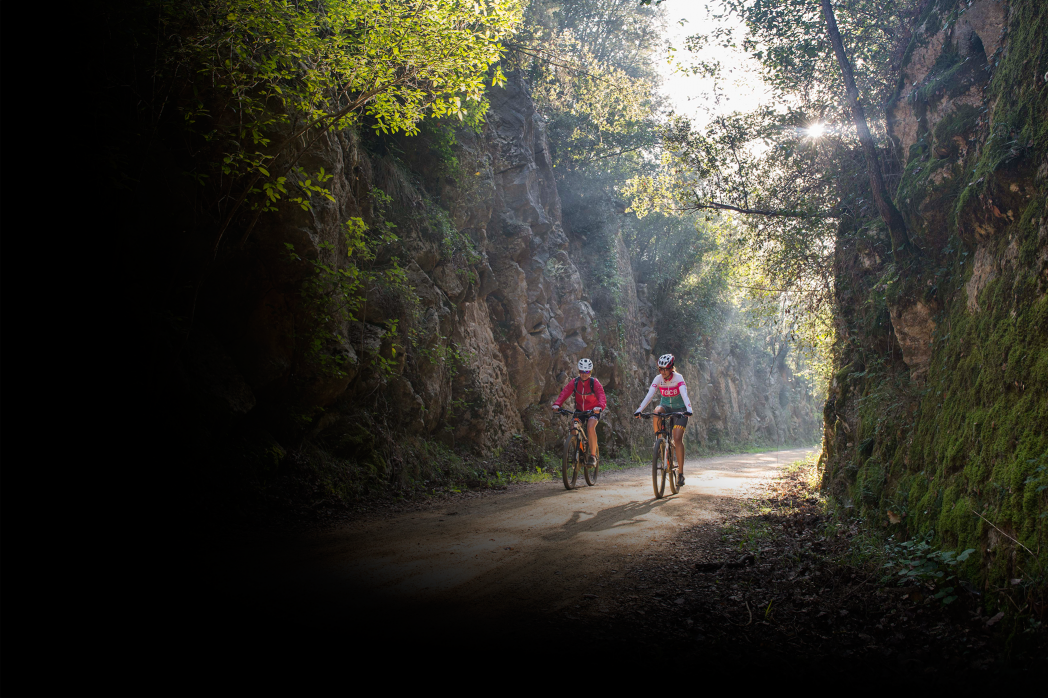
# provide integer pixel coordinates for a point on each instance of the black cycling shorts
(681, 419)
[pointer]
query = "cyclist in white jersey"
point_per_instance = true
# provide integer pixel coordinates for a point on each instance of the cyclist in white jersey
(674, 401)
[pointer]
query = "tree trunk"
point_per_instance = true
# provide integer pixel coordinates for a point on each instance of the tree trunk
(901, 247)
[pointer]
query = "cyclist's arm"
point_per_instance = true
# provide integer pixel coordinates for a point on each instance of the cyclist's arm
(684, 395)
(563, 395)
(647, 398)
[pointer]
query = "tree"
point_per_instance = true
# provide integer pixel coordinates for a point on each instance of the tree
(794, 168)
(259, 81)
(590, 66)
(892, 218)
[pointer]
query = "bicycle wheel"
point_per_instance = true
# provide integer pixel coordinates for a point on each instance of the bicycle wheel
(569, 468)
(658, 468)
(671, 467)
(591, 470)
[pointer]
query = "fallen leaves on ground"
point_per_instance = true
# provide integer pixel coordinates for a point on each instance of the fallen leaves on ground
(778, 581)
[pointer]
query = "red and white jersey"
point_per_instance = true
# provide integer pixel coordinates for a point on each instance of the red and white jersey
(674, 393)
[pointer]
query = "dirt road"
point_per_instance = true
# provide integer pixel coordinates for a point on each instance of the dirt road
(533, 551)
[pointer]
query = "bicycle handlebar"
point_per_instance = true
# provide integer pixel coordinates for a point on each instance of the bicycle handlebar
(579, 413)
(664, 415)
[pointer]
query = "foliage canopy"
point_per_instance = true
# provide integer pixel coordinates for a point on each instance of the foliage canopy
(261, 80)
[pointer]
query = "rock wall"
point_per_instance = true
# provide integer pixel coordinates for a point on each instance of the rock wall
(496, 330)
(934, 417)
(747, 396)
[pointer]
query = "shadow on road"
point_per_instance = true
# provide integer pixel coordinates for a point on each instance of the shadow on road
(606, 519)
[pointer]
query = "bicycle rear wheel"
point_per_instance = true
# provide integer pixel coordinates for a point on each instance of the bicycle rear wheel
(658, 467)
(569, 468)
(591, 470)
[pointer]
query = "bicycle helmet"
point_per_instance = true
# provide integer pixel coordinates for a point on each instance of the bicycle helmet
(585, 365)
(666, 361)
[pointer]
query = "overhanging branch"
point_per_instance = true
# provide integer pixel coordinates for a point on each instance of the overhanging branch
(717, 206)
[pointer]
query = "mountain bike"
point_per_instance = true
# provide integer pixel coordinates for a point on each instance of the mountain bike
(662, 458)
(576, 450)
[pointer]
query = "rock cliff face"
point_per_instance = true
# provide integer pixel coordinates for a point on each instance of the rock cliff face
(934, 413)
(747, 396)
(496, 329)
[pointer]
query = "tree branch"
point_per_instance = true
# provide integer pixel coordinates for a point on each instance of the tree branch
(611, 155)
(526, 50)
(717, 206)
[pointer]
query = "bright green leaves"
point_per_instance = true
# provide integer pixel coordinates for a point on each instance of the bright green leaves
(302, 186)
(337, 295)
(268, 77)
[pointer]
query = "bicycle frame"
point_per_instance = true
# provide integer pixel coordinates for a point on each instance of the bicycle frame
(663, 465)
(581, 432)
(577, 434)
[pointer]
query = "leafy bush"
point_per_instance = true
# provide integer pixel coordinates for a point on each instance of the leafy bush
(917, 561)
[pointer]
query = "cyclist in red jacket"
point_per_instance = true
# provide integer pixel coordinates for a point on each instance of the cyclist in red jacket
(589, 395)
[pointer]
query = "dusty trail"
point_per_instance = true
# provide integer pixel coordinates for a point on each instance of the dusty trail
(527, 553)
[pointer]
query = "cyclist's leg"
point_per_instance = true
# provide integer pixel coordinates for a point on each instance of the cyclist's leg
(591, 429)
(681, 422)
(678, 446)
(657, 422)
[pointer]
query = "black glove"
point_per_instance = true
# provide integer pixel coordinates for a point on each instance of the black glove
(688, 413)
(637, 413)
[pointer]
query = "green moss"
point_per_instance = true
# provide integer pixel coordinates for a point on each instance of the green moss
(978, 438)
(961, 120)
(1019, 130)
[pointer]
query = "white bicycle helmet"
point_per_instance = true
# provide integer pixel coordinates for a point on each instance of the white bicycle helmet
(666, 361)
(585, 365)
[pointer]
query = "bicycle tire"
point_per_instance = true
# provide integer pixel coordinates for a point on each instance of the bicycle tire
(658, 470)
(569, 468)
(671, 467)
(591, 471)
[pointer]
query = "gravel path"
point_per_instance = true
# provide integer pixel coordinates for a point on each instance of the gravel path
(536, 551)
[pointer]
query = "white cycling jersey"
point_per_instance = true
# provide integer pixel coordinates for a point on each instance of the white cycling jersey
(674, 393)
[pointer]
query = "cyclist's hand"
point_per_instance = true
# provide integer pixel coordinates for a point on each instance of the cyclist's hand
(596, 410)
(556, 408)
(637, 414)
(688, 413)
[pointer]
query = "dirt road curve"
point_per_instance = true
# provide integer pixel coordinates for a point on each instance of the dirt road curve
(535, 549)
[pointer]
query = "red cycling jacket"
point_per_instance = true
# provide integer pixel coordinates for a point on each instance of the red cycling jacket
(588, 394)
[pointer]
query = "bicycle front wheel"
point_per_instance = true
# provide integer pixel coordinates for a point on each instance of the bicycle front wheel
(658, 468)
(671, 467)
(569, 468)
(591, 471)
